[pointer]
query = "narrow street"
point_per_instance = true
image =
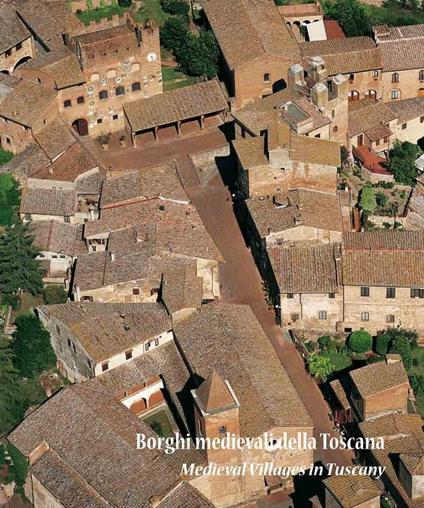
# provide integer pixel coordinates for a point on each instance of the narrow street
(241, 283)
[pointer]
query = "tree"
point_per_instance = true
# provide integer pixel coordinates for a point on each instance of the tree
(11, 403)
(176, 7)
(54, 293)
(368, 202)
(19, 268)
(5, 156)
(417, 383)
(402, 162)
(382, 343)
(9, 199)
(402, 346)
(174, 33)
(360, 341)
(31, 346)
(125, 3)
(351, 14)
(320, 366)
(200, 55)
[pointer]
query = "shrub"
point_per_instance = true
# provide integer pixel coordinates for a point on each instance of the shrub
(321, 366)
(12, 300)
(417, 383)
(402, 347)
(18, 468)
(324, 342)
(367, 201)
(360, 341)
(175, 7)
(340, 359)
(54, 293)
(382, 343)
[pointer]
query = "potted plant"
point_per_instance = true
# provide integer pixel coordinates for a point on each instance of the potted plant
(103, 139)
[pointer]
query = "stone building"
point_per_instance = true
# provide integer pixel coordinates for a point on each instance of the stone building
(16, 43)
(344, 491)
(257, 47)
(306, 286)
(89, 339)
(401, 457)
(379, 388)
(221, 363)
(59, 244)
(284, 160)
(382, 280)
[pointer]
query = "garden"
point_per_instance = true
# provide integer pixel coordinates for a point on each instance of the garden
(329, 356)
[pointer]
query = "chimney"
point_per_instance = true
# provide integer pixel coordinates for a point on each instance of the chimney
(296, 75)
(340, 86)
(319, 95)
(316, 69)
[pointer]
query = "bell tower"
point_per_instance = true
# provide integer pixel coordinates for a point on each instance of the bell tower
(216, 415)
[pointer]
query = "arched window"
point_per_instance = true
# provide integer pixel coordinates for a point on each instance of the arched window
(95, 77)
(135, 87)
(111, 74)
(395, 77)
(421, 93)
(351, 78)
(421, 75)
(80, 100)
(103, 95)
(335, 129)
(119, 90)
(372, 94)
(353, 95)
(395, 94)
(267, 77)
(67, 103)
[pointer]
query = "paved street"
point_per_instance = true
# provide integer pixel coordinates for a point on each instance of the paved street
(242, 284)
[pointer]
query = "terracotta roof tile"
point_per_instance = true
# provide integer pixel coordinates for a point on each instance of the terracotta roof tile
(12, 30)
(306, 269)
(246, 30)
(55, 138)
(351, 491)
(48, 202)
(378, 377)
(214, 395)
(181, 104)
(407, 109)
(53, 236)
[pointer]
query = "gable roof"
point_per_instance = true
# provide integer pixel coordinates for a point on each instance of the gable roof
(370, 116)
(306, 269)
(351, 491)
(109, 329)
(177, 105)
(48, 202)
(26, 103)
(378, 377)
(246, 30)
(12, 30)
(53, 236)
(55, 138)
(228, 338)
(343, 56)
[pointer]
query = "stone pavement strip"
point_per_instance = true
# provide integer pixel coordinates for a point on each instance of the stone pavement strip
(241, 283)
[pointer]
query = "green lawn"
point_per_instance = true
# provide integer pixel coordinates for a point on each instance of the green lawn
(420, 404)
(393, 16)
(28, 302)
(418, 353)
(160, 423)
(174, 78)
(151, 9)
(100, 13)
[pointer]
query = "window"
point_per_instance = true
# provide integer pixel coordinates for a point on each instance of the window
(67, 103)
(80, 100)
(8, 141)
(105, 366)
(351, 78)
(317, 136)
(333, 113)
(128, 354)
(115, 117)
(372, 94)
(223, 429)
(386, 139)
(375, 74)
(365, 316)
(290, 295)
(421, 119)
(417, 293)
(365, 291)
(103, 95)
(136, 291)
(353, 95)
(67, 218)
(135, 87)
(89, 363)
(390, 318)
(394, 94)
(267, 77)
(69, 343)
(99, 121)
(18, 46)
(390, 292)
(58, 330)
(331, 295)
(404, 126)
(395, 77)
(119, 90)
(421, 75)
(335, 129)
(8, 52)
(322, 314)
(27, 216)
(377, 142)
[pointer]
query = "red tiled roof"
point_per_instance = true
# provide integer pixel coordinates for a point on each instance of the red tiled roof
(333, 29)
(372, 162)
